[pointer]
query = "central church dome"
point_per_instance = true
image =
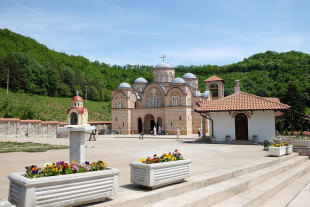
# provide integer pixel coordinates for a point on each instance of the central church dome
(163, 65)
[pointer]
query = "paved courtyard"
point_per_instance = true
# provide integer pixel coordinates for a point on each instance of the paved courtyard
(119, 150)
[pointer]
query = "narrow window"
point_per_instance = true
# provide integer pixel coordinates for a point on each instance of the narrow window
(171, 123)
(123, 124)
(180, 118)
(116, 118)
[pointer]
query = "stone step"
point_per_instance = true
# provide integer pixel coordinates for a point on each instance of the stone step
(136, 196)
(5, 203)
(217, 192)
(256, 195)
(242, 142)
(302, 199)
(288, 194)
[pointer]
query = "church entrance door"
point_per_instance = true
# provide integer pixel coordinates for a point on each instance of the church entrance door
(241, 127)
(152, 125)
(140, 127)
(149, 123)
(159, 122)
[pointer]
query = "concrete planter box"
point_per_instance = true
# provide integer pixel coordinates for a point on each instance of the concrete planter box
(159, 174)
(277, 151)
(289, 149)
(300, 143)
(62, 190)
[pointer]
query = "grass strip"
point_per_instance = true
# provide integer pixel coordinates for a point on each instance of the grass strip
(27, 147)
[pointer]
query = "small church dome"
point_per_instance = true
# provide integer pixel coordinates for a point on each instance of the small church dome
(77, 98)
(189, 75)
(140, 80)
(124, 85)
(206, 94)
(178, 80)
(163, 65)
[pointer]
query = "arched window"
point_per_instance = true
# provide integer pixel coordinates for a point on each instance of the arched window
(159, 102)
(119, 104)
(148, 103)
(214, 90)
(154, 102)
(175, 101)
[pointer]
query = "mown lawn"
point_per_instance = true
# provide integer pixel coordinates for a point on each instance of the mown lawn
(27, 147)
(52, 108)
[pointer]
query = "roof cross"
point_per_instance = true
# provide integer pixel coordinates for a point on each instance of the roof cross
(163, 57)
(77, 93)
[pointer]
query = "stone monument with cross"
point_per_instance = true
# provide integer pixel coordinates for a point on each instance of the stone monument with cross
(77, 119)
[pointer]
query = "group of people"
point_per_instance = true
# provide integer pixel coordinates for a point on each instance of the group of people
(160, 130)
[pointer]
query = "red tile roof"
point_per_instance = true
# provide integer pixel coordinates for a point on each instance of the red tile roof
(50, 122)
(80, 110)
(29, 121)
(9, 119)
(273, 99)
(99, 122)
(204, 102)
(242, 101)
(213, 78)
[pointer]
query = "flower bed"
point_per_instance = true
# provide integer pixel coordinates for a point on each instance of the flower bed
(289, 148)
(300, 142)
(158, 171)
(62, 168)
(277, 150)
(74, 185)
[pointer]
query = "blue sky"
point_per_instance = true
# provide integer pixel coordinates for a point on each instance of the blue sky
(193, 32)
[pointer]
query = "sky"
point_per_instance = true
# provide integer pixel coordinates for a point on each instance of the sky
(187, 32)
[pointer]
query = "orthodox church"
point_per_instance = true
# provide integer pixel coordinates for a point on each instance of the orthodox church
(167, 104)
(171, 103)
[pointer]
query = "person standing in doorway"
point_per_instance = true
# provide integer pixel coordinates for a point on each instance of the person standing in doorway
(154, 130)
(199, 133)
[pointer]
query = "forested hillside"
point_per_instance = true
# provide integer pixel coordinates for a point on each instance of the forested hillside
(35, 69)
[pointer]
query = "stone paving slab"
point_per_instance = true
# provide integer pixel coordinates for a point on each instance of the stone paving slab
(118, 151)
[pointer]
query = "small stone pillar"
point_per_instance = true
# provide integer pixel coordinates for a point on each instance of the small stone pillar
(203, 126)
(77, 129)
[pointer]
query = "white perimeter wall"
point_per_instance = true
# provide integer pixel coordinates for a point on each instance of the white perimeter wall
(261, 124)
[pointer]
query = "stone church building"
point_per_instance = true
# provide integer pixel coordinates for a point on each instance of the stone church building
(169, 103)
(176, 103)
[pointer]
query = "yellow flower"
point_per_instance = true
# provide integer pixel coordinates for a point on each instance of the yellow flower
(142, 160)
(174, 159)
(73, 161)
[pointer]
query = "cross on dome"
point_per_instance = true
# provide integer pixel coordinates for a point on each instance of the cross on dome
(163, 57)
(77, 93)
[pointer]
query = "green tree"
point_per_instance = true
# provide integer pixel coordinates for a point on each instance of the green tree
(296, 99)
(16, 73)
